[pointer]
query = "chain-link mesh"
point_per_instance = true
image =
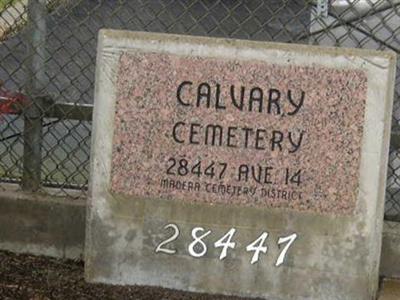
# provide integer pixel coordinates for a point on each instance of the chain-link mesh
(48, 49)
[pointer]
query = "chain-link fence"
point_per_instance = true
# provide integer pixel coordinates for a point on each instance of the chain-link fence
(47, 63)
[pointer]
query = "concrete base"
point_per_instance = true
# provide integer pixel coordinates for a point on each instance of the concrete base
(55, 226)
(42, 225)
(390, 256)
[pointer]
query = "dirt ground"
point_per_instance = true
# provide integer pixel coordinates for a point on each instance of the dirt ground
(41, 278)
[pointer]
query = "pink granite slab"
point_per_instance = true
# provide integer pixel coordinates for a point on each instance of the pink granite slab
(331, 121)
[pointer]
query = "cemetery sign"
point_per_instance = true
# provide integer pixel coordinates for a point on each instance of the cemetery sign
(238, 167)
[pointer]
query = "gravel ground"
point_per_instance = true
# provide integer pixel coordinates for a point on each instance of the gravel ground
(31, 277)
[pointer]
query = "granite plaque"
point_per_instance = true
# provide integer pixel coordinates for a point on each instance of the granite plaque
(238, 167)
(237, 132)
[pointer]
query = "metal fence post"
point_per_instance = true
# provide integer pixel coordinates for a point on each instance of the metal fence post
(68, 50)
(33, 126)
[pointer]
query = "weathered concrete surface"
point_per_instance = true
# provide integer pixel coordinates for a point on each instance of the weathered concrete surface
(390, 258)
(16, 206)
(334, 257)
(41, 224)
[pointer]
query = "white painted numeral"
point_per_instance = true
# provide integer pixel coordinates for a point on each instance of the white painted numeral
(225, 243)
(290, 239)
(198, 240)
(257, 247)
(169, 240)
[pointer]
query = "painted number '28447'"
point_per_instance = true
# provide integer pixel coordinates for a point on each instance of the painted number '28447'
(198, 248)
